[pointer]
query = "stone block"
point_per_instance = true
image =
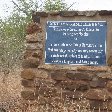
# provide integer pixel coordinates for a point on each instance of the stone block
(31, 62)
(109, 86)
(58, 76)
(27, 83)
(40, 36)
(109, 105)
(41, 74)
(74, 85)
(98, 82)
(42, 14)
(81, 13)
(27, 74)
(72, 95)
(90, 13)
(96, 105)
(99, 110)
(39, 82)
(42, 100)
(37, 54)
(32, 38)
(33, 53)
(79, 106)
(104, 12)
(87, 13)
(68, 13)
(28, 95)
(34, 46)
(46, 92)
(109, 61)
(79, 75)
(98, 94)
(54, 13)
(35, 18)
(33, 27)
(31, 46)
(105, 76)
(93, 68)
(103, 106)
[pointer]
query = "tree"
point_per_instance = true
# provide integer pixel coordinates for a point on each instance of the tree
(26, 6)
(55, 5)
(12, 29)
(12, 38)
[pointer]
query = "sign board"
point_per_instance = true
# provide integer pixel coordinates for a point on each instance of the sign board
(76, 42)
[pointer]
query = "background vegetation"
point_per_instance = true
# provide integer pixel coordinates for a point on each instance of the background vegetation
(12, 29)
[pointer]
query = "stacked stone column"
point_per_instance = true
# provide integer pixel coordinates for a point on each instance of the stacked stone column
(32, 59)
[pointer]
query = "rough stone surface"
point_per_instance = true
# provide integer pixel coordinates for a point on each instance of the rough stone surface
(27, 83)
(109, 86)
(40, 36)
(42, 14)
(97, 105)
(34, 46)
(98, 94)
(27, 74)
(37, 54)
(90, 13)
(42, 100)
(31, 63)
(105, 75)
(46, 92)
(89, 69)
(68, 13)
(73, 95)
(109, 105)
(98, 82)
(79, 75)
(80, 106)
(41, 74)
(28, 95)
(87, 13)
(109, 61)
(39, 82)
(94, 104)
(35, 18)
(105, 12)
(81, 13)
(102, 110)
(93, 68)
(74, 85)
(32, 38)
(54, 13)
(33, 53)
(57, 75)
(33, 27)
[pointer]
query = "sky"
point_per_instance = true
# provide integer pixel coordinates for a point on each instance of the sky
(6, 5)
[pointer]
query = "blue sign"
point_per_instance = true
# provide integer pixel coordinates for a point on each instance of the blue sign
(76, 42)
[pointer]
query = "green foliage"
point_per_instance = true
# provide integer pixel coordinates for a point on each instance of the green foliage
(55, 5)
(25, 6)
(12, 36)
(12, 29)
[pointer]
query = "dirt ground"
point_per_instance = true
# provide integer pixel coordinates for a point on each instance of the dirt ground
(11, 101)
(10, 88)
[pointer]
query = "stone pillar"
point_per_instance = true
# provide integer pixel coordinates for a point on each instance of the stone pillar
(32, 59)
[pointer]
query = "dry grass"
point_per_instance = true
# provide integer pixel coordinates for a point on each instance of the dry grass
(11, 101)
(10, 88)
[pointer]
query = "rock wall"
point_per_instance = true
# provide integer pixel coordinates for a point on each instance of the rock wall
(74, 87)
